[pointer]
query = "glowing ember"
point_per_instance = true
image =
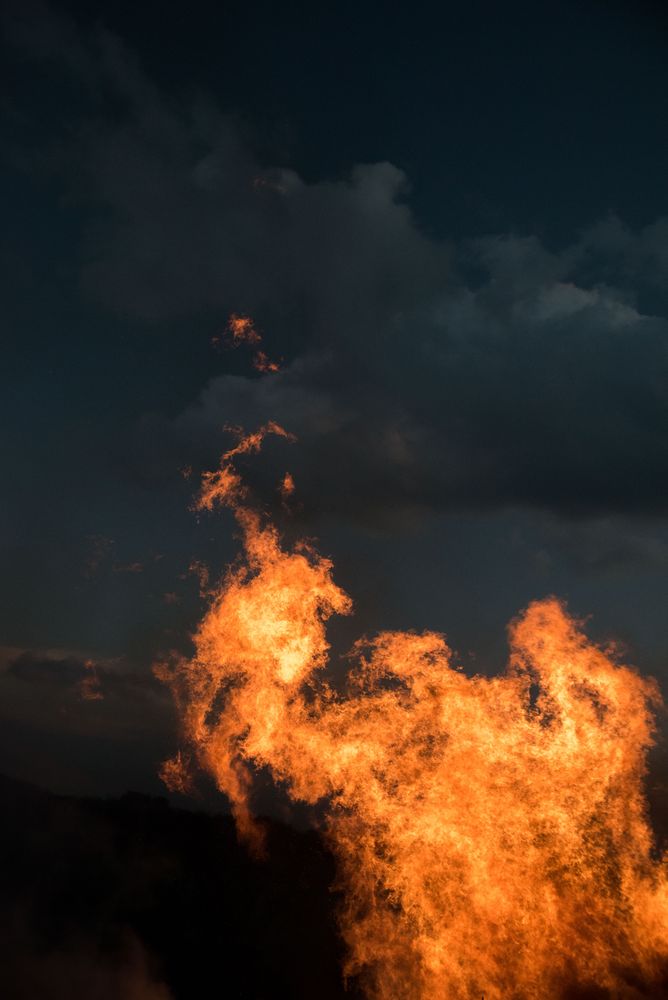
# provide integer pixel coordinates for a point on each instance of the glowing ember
(491, 833)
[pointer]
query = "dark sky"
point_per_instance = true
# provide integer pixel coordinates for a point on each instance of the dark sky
(450, 221)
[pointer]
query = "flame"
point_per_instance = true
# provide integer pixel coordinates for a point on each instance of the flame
(224, 485)
(287, 487)
(491, 833)
(262, 363)
(174, 772)
(241, 329)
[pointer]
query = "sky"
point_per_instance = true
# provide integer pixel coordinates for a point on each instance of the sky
(449, 222)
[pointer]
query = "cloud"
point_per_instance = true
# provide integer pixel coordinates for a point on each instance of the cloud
(635, 260)
(529, 389)
(57, 688)
(541, 394)
(419, 373)
(603, 546)
(68, 671)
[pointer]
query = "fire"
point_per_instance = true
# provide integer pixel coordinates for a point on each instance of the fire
(241, 329)
(491, 833)
(262, 363)
(287, 487)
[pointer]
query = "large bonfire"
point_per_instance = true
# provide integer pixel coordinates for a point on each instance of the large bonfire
(491, 833)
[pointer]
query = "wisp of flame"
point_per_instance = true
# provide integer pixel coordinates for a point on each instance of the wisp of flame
(491, 832)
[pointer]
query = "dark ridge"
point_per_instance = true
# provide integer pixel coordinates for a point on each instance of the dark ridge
(131, 899)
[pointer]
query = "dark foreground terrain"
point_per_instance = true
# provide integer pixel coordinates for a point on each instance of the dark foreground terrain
(131, 899)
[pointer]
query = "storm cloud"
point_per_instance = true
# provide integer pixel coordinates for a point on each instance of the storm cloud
(432, 374)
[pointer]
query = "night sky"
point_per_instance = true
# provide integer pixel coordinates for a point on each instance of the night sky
(451, 223)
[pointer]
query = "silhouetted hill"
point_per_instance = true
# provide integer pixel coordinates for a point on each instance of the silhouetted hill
(130, 899)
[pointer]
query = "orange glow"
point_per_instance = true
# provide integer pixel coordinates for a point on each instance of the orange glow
(89, 687)
(263, 364)
(287, 487)
(491, 832)
(241, 330)
(224, 485)
(174, 772)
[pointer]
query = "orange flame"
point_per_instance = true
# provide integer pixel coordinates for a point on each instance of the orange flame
(241, 329)
(174, 772)
(491, 833)
(224, 485)
(287, 487)
(262, 363)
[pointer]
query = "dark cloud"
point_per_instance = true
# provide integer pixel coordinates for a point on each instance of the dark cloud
(491, 373)
(66, 671)
(606, 545)
(523, 392)
(68, 718)
(59, 680)
(636, 261)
